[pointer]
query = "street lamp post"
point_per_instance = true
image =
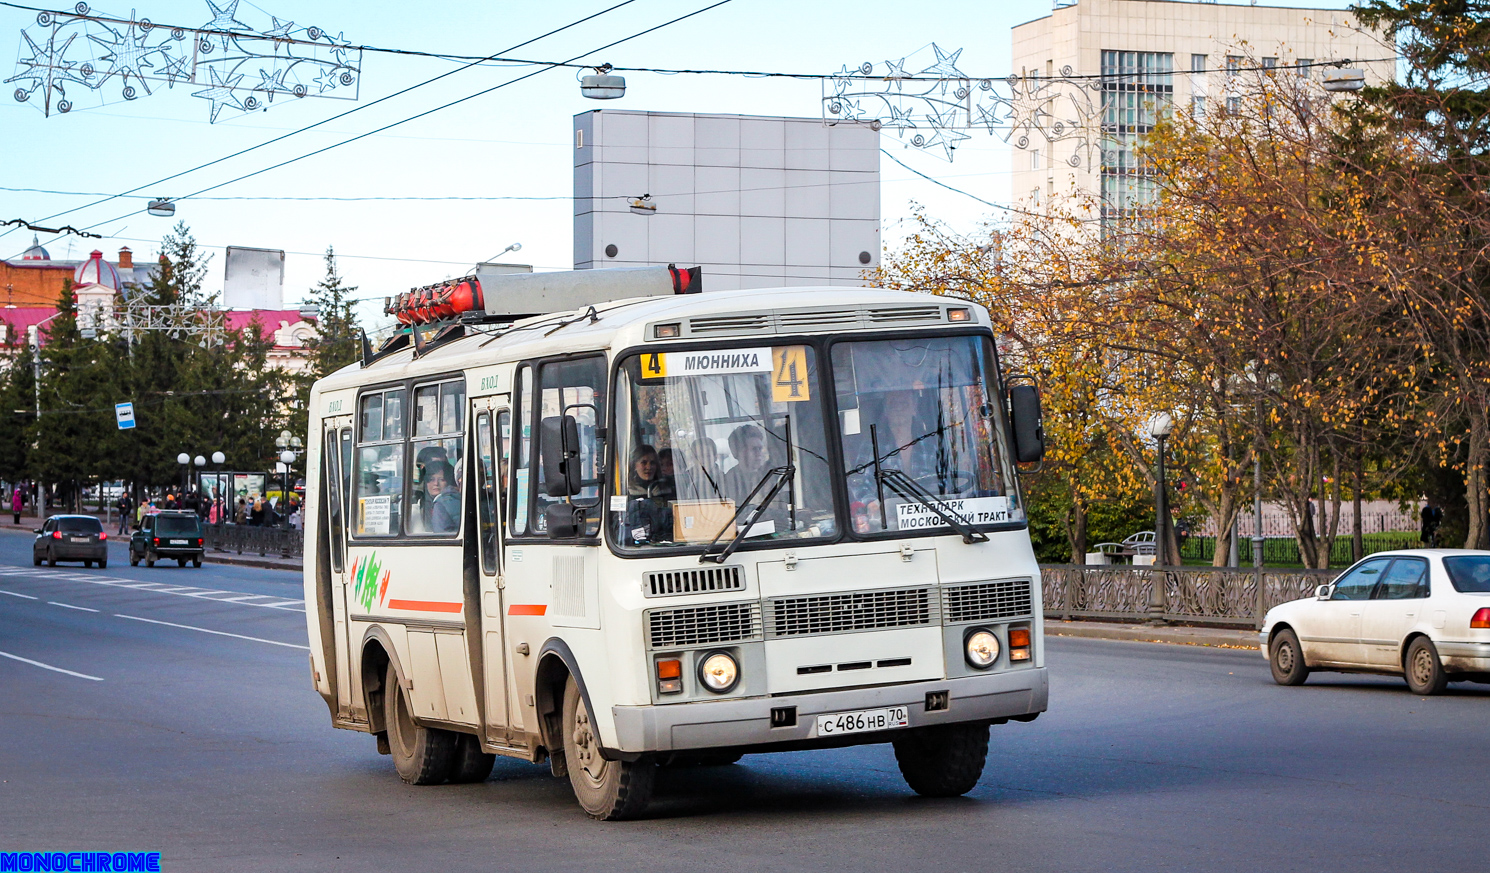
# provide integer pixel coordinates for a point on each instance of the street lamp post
(1160, 426)
(185, 461)
(289, 447)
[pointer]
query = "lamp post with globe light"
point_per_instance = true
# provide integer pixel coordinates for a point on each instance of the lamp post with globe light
(1160, 427)
(289, 447)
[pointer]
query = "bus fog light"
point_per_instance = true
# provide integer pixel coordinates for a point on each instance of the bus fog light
(1019, 644)
(719, 672)
(982, 649)
(670, 676)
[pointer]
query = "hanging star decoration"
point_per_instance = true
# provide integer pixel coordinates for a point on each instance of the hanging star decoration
(220, 93)
(236, 66)
(941, 102)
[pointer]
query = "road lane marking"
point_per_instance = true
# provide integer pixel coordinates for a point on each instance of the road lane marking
(49, 667)
(209, 631)
(14, 594)
(212, 594)
(70, 606)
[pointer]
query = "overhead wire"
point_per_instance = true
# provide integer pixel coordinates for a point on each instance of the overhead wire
(324, 121)
(427, 112)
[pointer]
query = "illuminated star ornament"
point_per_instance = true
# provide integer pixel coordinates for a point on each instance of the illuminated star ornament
(932, 110)
(69, 57)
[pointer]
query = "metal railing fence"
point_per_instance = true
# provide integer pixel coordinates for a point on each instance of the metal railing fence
(1208, 595)
(286, 542)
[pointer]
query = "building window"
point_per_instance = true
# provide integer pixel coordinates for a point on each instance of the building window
(1137, 91)
(1269, 65)
(1233, 65)
(1034, 159)
(1305, 67)
(1198, 85)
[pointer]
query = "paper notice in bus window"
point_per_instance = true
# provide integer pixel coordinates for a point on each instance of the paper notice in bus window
(375, 515)
(977, 510)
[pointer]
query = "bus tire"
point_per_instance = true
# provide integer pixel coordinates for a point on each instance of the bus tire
(943, 761)
(470, 763)
(606, 790)
(421, 755)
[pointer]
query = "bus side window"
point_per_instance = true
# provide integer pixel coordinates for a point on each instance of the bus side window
(575, 388)
(380, 466)
(488, 476)
(439, 459)
(522, 405)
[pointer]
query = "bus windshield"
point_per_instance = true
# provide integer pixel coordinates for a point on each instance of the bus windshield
(923, 434)
(707, 438)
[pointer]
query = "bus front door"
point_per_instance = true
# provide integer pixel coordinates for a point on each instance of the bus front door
(335, 456)
(493, 432)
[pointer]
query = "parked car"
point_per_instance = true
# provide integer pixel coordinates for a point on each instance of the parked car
(71, 538)
(1423, 614)
(171, 534)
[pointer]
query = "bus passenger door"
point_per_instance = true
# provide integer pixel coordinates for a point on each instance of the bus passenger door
(493, 431)
(334, 493)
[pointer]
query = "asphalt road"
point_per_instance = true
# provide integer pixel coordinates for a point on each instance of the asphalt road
(185, 723)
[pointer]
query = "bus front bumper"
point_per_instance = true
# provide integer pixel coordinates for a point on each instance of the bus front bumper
(747, 722)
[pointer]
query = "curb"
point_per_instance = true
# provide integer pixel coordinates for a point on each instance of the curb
(264, 563)
(1183, 636)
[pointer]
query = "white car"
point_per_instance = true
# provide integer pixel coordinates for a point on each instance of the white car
(1423, 614)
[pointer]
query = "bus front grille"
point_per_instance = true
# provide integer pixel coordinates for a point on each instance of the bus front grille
(985, 601)
(694, 626)
(851, 611)
(698, 580)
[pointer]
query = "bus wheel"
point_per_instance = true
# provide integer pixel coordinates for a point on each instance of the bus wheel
(422, 755)
(471, 764)
(943, 761)
(607, 790)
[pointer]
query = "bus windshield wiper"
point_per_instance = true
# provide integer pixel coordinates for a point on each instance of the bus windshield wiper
(909, 489)
(782, 475)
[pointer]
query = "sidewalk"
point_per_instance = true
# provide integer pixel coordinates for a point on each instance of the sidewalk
(1225, 638)
(248, 559)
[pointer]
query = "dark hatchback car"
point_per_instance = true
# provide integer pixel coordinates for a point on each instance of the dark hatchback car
(71, 538)
(167, 535)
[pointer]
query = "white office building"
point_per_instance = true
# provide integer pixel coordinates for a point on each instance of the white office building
(757, 202)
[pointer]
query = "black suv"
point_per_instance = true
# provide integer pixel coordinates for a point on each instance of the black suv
(167, 535)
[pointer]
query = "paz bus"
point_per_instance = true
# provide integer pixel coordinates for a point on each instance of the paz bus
(602, 520)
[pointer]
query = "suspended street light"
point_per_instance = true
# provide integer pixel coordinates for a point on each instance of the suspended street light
(602, 85)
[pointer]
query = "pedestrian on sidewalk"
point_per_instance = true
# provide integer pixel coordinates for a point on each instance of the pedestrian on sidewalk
(125, 503)
(16, 502)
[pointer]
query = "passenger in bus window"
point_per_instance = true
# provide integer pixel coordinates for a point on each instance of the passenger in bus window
(667, 487)
(440, 510)
(648, 512)
(702, 479)
(748, 444)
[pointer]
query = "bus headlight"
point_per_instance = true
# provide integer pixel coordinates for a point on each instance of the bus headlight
(981, 648)
(718, 672)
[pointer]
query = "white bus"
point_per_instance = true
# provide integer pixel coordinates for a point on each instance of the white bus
(665, 528)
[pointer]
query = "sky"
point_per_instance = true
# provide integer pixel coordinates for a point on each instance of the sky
(514, 142)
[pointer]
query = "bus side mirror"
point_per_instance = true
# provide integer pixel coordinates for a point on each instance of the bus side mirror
(559, 439)
(564, 520)
(1029, 429)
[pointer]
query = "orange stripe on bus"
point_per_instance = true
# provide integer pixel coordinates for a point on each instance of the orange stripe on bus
(425, 605)
(527, 609)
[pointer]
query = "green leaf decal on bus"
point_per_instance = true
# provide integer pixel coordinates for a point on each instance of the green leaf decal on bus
(369, 581)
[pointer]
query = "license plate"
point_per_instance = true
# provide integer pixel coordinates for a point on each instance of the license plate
(80, 539)
(178, 542)
(833, 724)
